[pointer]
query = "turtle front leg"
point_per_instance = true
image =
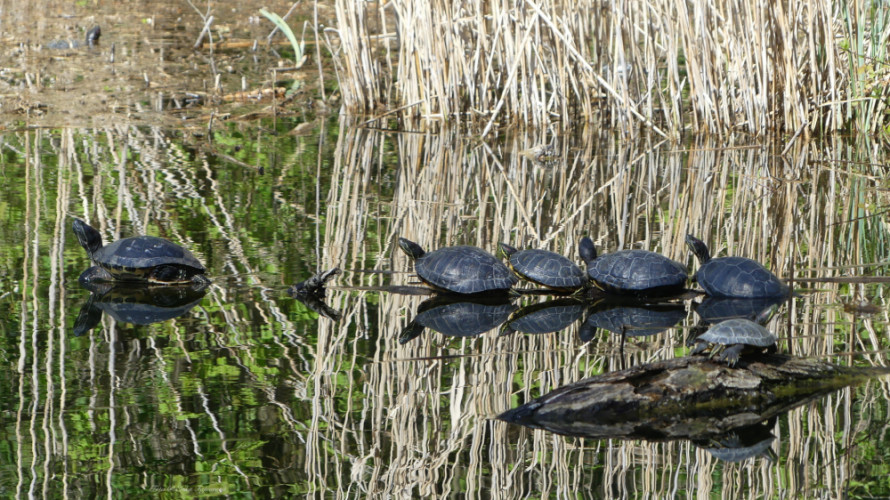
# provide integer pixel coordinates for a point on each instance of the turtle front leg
(168, 274)
(95, 274)
(732, 354)
(700, 346)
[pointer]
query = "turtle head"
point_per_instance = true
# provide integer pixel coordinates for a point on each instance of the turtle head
(765, 315)
(505, 250)
(699, 248)
(587, 250)
(93, 36)
(89, 238)
(410, 248)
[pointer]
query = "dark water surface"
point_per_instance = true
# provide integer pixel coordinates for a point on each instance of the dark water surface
(250, 393)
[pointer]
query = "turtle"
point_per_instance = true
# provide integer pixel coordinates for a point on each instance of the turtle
(459, 269)
(634, 272)
(728, 339)
(137, 259)
(546, 268)
(737, 277)
(91, 39)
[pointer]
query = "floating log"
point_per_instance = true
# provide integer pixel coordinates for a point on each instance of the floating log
(685, 398)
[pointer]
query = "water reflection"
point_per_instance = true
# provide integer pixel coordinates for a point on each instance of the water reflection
(740, 444)
(136, 303)
(546, 317)
(714, 310)
(630, 318)
(256, 393)
(459, 316)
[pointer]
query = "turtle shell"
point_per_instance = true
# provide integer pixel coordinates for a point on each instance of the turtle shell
(739, 331)
(464, 269)
(139, 257)
(739, 277)
(548, 269)
(637, 272)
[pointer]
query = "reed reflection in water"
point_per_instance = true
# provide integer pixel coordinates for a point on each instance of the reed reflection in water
(249, 389)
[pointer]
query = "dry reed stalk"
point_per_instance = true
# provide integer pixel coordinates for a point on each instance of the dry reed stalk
(750, 65)
(744, 201)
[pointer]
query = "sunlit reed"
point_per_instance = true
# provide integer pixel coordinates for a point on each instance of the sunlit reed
(731, 65)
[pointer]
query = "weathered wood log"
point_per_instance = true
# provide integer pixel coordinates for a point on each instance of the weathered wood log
(685, 398)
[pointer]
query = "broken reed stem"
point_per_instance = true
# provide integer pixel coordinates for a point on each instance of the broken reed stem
(720, 66)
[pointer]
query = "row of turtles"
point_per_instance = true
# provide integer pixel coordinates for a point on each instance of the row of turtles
(471, 270)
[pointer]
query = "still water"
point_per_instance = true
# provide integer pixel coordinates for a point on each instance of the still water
(240, 390)
(247, 392)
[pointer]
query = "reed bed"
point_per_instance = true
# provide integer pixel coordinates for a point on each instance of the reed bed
(756, 66)
(791, 212)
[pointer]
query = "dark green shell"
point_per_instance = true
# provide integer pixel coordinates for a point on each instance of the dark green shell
(738, 331)
(464, 269)
(548, 269)
(638, 272)
(137, 257)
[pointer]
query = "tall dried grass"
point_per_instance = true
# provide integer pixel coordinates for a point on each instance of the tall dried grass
(757, 66)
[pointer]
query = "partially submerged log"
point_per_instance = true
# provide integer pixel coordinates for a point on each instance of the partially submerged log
(685, 398)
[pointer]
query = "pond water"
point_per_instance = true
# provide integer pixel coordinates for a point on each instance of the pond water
(245, 391)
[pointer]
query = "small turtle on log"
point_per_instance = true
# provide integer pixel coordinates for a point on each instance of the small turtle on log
(728, 339)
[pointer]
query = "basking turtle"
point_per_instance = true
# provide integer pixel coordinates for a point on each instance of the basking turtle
(634, 272)
(459, 269)
(546, 268)
(137, 259)
(734, 276)
(728, 339)
(92, 38)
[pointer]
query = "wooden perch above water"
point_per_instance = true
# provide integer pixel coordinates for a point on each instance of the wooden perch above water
(685, 398)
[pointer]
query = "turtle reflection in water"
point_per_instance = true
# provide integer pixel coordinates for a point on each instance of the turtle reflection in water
(713, 310)
(458, 316)
(545, 317)
(137, 259)
(136, 303)
(631, 319)
(738, 445)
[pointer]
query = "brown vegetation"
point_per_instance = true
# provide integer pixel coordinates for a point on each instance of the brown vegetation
(749, 65)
